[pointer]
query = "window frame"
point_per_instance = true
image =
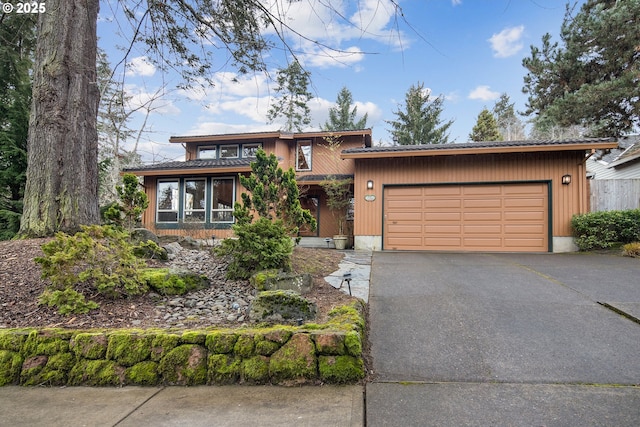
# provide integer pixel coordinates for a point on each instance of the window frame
(192, 210)
(213, 210)
(299, 146)
(258, 146)
(176, 210)
(207, 147)
(221, 147)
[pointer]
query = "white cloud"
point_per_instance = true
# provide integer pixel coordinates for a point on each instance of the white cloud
(140, 66)
(156, 102)
(483, 93)
(507, 42)
(456, 2)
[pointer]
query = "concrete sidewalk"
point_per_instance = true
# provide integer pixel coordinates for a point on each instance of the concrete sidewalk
(182, 406)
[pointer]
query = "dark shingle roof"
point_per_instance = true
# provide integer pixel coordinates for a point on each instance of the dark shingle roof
(194, 164)
(472, 145)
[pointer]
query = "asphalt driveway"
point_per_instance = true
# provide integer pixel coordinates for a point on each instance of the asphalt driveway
(460, 339)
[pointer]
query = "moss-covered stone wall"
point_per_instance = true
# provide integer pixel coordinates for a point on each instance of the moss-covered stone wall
(285, 355)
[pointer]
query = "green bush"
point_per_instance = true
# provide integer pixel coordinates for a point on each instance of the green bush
(100, 258)
(602, 230)
(261, 245)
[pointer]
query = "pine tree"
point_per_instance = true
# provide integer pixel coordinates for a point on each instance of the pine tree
(17, 40)
(293, 94)
(509, 125)
(485, 128)
(590, 78)
(343, 117)
(420, 123)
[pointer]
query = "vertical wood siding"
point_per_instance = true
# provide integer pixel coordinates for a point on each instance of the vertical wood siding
(566, 200)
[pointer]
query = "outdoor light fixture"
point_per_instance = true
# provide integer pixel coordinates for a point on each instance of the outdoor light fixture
(370, 185)
(566, 179)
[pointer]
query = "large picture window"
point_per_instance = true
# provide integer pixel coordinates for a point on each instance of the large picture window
(303, 155)
(222, 197)
(229, 152)
(168, 201)
(208, 152)
(195, 199)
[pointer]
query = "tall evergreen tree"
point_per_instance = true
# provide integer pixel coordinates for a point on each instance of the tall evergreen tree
(486, 128)
(342, 116)
(591, 77)
(293, 96)
(17, 40)
(420, 122)
(510, 126)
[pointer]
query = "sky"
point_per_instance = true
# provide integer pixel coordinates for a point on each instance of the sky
(467, 51)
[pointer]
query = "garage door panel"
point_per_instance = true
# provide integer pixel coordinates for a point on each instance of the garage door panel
(491, 217)
(482, 203)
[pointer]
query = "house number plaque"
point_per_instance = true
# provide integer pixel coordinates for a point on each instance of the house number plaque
(370, 197)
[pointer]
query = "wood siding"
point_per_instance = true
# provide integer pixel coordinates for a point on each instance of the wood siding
(566, 200)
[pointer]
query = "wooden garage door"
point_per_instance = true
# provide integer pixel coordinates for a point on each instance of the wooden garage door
(492, 217)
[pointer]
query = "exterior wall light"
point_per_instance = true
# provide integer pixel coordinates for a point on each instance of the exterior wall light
(566, 179)
(370, 185)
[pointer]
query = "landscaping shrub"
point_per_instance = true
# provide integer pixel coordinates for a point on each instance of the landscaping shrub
(261, 245)
(101, 258)
(602, 230)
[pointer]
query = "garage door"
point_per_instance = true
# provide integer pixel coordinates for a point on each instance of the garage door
(492, 217)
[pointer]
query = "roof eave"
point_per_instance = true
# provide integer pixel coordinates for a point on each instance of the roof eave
(478, 150)
(266, 135)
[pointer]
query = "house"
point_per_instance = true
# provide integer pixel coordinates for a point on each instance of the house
(622, 162)
(196, 197)
(482, 196)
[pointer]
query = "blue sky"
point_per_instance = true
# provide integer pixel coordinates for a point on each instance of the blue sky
(468, 51)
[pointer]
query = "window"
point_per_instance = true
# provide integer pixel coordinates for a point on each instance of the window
(195, 198)
(207, 152)
(303, 155)
(228, 151)
(168, 195)
(250, 150)
(222, 197)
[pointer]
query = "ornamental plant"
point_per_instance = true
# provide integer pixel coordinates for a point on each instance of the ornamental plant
(126, 212)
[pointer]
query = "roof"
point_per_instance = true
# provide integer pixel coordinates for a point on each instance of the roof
(252, 136)
(629, 155)
(486, 147)
(200, 166)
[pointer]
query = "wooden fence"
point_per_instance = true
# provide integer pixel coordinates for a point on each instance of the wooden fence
(614, 194)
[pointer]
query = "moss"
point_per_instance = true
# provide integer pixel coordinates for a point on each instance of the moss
(161, 344)
(244, 346)
(265, 347)
(193, 337)
(260, 279)
(340, 369)
(184, 365)
(279, 335)
(89, 345)
(255, 370)
(294, 360)
(173, 282)
(348, 315)
(329, 343)
(47, 370)
(287, 305)
(143, 373)
(45, 342)
(224, 369)
(128, 349)
(353, 342)
(221, 342)
(13, 339)
(96, 373)
(10, 367)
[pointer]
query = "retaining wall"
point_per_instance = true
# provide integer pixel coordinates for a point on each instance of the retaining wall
(284, 355)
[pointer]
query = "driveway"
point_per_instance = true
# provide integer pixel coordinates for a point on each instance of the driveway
(504, 339)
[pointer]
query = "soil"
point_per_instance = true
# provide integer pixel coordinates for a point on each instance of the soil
(21, 284)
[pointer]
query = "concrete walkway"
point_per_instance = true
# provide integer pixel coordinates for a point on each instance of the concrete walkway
(505, 339)
(358, 265)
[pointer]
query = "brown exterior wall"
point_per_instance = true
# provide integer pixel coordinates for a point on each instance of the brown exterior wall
(566, 200)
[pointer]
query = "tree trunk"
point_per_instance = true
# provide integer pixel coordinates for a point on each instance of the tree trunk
(62, 174)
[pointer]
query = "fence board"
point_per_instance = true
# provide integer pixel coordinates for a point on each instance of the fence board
(614, 194)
